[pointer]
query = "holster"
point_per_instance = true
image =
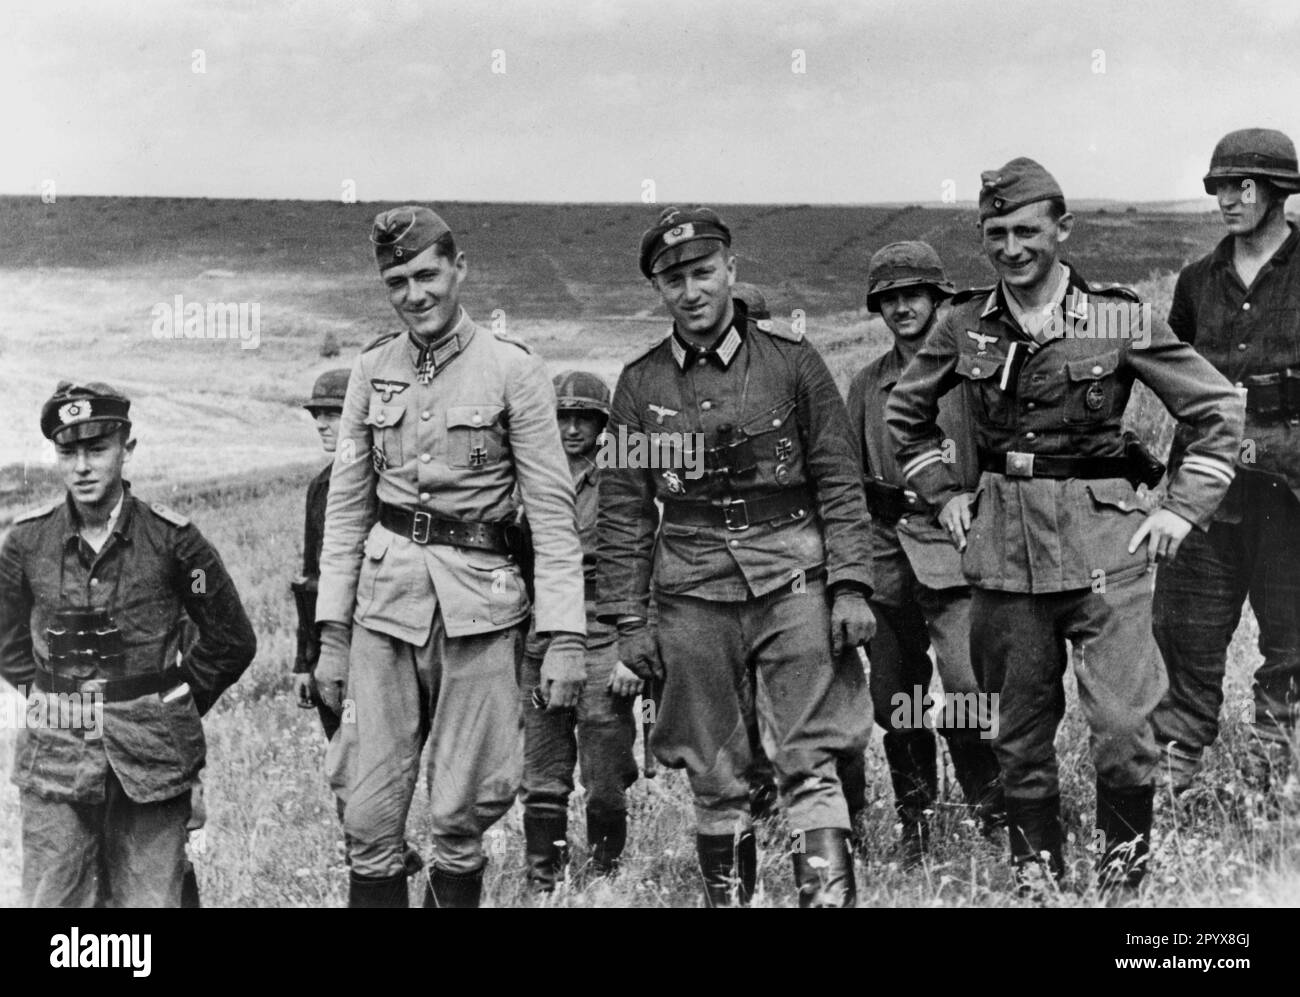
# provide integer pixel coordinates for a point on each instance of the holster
(890, 503)
(519, 541)
(304, 599)
(1144, 467)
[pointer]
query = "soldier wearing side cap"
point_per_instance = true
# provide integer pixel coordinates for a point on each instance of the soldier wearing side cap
(598, 733)
(96, 591)
(1239, 307)
(921, 599)
(446, 428)
(760, 570)
(1055, 541)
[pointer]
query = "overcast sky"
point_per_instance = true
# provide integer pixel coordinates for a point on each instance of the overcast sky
(1118, 99)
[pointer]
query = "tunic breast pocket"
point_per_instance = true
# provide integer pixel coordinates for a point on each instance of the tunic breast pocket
(476, 438)
(385, 422)
(1092, 389)
(982, 376)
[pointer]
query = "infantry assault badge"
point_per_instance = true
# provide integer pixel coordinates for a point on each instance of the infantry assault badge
(378, 460)
(674, 483)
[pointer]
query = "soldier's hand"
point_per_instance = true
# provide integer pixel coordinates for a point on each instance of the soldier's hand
(564, 671)
(1164, 532)
(623, 681)
(332, 668)
(955, 518)
(638, 648)
(852, 622)
(304, 689)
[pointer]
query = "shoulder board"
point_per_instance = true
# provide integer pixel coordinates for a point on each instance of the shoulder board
(506, 338)
(647, 351)
(379, 341)
(779, 331)
(37, 513)
(970, 293)
(1118, 290)
(171, 515)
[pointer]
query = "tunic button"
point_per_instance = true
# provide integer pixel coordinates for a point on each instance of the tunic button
(94, 581)
(706, 405)
(425, 496)
(379, 419)
(425, 458)
(426, 415)
(701, 362)
(1246, 307)
(1029, 405)
(1096, 370)
(975, 371)
(477, 419)
(734, 543)
(1030, 435)
(776, 422)
(1241, 346)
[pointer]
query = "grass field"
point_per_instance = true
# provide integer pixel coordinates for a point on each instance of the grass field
(222, 439)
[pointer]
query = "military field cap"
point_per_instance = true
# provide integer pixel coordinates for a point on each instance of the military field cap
(755, 303)
(682, 235)
(581, 391)
(83, 411)
(1255, 152)
(328, 391)
(1022, 181)
(401, 234)
(905, 264)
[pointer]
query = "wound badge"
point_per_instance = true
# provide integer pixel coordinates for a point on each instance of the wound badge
(378, 460)
(1095, 397)
(674, 483)
(782, 474)
(784, 448)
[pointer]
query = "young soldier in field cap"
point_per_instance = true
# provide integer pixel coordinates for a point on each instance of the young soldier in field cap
(1240, 308)
(95, 592)
(599, 731)
(921, 597)
(445, 428)
(760, 569)
(1055, 541)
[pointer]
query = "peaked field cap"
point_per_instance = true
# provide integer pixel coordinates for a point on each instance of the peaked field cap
(399, 234)
(1022, 181)
(1255, 152)
(905, 264)
(329, 391)
(580, 390)
(83, 411)
(681, 235)
(755, 303)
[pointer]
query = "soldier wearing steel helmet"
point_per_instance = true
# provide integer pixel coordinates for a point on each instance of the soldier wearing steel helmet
(921, 599)
(1239, 307)
(96, 593)
(1054, 540)
(598, 732)
(759, 571)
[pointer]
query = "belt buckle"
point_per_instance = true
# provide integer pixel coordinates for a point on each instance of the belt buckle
(421, 524)
(732, 525)
(1019, 465)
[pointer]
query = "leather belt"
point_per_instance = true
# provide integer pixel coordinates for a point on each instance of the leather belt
(890, 503)
(424, 527)
(1015, 464)
(740, 514)
(1273, 397)
(112, 690)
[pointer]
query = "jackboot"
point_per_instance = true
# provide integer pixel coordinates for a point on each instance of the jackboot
(729, 867)
(980, 779)
(606, 836)
(454, 889)
(823, 868)
(378, 891)
(546, 849)
(1036, 838)
(912, 756)
(1124, 819)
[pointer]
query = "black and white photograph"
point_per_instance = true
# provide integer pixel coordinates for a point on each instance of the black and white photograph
(652, 454)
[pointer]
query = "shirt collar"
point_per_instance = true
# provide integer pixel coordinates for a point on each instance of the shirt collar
(118, 520)
(722, 350)
(1222, 255)
(444, 350)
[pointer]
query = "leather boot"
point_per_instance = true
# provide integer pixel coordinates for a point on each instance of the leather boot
(912, 757)
(980, 779)
(454, 889)
(378, 891)
(546, 849)
(823, 868)
(606, 836)
(1124, 819)
(1036, 841)
(729, 866)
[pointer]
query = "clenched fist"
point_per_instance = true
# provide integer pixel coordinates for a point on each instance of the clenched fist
(564, 671)
(852, 622)
(638, 649)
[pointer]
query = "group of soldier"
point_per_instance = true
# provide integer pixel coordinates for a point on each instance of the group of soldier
(480, 590)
